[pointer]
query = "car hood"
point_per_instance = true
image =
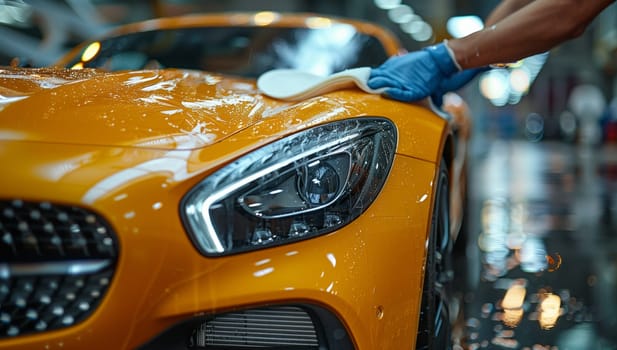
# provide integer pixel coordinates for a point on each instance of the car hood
(163, 109)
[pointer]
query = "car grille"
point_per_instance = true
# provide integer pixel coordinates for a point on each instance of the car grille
(267, 327)
(56, 263)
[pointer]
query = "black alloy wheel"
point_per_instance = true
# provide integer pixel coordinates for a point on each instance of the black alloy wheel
(434, 329)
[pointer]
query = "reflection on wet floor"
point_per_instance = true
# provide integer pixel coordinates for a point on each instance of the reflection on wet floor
(539, 269)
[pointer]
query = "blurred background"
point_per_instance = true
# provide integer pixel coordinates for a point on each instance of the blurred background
(539, 269)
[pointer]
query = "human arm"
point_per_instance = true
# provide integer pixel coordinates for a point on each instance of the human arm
(414, 76)
(462, 78)
(516, 29)
(533, 28)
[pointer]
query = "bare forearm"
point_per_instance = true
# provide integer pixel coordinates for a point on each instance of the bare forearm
(534, 28)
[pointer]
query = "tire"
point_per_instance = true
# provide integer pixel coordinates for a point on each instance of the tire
(434, 329)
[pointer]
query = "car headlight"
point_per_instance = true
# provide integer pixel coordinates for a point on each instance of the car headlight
(308, 184)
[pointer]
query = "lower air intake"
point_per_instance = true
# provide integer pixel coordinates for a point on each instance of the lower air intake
(286, 326)
(289, 327)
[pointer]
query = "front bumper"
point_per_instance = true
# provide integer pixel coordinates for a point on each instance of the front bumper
(366, 276)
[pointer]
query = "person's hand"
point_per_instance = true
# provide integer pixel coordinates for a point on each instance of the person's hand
(454, 82)
(415, 75)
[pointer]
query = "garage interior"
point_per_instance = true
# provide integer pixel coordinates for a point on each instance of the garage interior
(541, 214)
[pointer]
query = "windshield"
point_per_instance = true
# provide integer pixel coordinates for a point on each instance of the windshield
(241, 51)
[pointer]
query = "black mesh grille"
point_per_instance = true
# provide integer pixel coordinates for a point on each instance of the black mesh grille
(301, 327)
(284, 326)
(45, 231)
(56, 263)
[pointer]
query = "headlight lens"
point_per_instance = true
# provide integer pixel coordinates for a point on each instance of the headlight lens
(308, 184)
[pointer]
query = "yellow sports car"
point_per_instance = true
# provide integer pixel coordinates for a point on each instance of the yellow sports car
(152, 197)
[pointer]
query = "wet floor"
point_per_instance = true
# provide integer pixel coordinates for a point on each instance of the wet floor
(539, 267)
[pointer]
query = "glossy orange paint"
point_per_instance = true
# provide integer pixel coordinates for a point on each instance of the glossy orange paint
(133, 150)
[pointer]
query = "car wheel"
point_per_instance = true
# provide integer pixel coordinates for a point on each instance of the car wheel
(434, 326)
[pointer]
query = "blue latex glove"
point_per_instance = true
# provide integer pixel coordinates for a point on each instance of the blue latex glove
(415, 75)
(455, 82)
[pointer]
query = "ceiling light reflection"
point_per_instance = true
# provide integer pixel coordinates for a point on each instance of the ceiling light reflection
(91, 51)
(461, 26)
(318, 22)
(533, 255)
(512, 304)
(534, 127)
(494, 85)
(261, 273)
(424, 34)
(520, 79)
(387, 4)
(326, 43)
(514, 297)
(400, 14)
(508, 83)
(512, 318)
(414, 25)
(265, 18)
(550, 309)
(332, 259)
